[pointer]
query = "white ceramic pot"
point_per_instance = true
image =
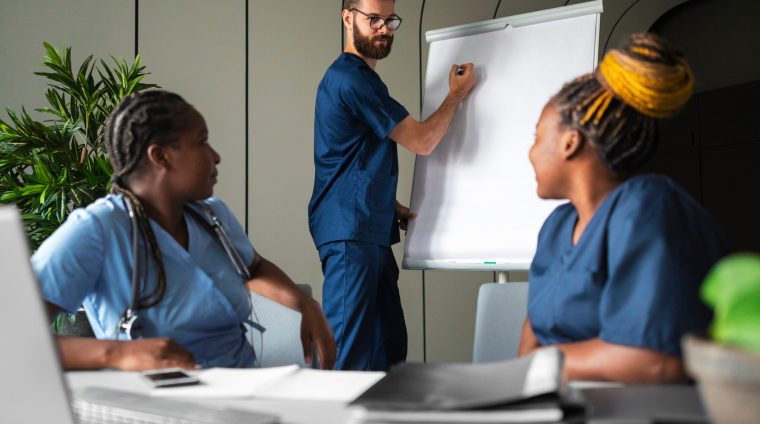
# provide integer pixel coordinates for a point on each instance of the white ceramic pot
(728, 377)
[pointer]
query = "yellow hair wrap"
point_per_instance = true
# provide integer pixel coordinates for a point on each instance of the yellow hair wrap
(657, 90)
(644, 51)
(598, 108)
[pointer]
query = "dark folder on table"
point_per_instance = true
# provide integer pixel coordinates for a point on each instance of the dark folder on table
(527, 389)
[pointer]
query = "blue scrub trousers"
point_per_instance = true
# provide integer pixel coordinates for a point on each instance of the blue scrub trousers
(361, 301)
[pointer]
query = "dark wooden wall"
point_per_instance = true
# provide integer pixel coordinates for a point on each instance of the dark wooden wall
(713, 149)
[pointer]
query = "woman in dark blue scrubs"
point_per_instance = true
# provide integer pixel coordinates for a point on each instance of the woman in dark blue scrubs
(614, 283)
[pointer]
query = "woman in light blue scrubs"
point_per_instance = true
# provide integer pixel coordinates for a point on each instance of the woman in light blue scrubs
(615, 279)
(190, 298)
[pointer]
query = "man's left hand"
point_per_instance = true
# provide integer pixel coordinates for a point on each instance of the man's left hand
(403, 215)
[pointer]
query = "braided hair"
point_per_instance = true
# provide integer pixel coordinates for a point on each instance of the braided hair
(616, 108)
(142, 119)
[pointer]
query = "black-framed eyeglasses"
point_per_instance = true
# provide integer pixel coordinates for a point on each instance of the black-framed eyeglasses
(377, 22)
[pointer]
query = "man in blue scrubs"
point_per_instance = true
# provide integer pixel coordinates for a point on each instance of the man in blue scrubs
(353, 215)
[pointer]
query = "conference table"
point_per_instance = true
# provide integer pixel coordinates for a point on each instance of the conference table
(608, 403)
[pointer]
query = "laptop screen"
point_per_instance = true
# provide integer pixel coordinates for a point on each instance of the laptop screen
(33, 389)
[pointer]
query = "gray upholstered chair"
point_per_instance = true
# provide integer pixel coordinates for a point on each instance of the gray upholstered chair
(501, 311)
(282, 338)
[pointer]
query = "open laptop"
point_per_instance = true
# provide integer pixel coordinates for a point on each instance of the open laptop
(33, 389)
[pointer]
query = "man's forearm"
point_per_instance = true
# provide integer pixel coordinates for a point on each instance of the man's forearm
(435, 127)
(422, 137)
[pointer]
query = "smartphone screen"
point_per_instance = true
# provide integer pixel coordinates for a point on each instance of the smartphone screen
(170, 377)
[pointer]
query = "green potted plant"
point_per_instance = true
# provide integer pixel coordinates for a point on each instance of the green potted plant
(49, 168)
(726, 362)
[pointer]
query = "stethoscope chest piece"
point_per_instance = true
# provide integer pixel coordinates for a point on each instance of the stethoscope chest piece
(131, 325)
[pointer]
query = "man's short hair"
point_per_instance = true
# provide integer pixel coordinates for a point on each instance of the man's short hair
(350, 4)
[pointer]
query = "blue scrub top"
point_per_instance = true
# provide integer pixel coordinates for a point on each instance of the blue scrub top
(88, 261)
(356, 164)
(633, 278)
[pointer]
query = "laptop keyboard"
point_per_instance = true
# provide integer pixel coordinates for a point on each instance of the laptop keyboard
(92, 413)
(105, 406)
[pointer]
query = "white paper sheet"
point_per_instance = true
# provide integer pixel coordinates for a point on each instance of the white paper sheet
(282, 383)
(229, 382)
(308, 384)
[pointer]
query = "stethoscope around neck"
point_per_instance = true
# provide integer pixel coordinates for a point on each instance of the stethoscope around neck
(130, 324)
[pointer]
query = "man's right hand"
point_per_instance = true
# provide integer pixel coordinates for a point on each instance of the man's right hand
(461, 80)
(422, 137)
(146, 354)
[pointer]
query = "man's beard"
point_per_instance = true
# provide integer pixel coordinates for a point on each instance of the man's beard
(367, 48)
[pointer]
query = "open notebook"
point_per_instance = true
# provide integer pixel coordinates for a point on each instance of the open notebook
(527, 389)
(33, 388)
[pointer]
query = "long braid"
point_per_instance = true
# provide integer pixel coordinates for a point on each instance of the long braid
(141, 119)
(155, 296)
(616, 107)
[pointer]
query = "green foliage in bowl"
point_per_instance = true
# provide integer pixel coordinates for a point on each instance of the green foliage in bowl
(732, 289)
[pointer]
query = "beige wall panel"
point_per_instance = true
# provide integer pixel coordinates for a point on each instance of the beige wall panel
(196, 48)
(517, 276)
(98, 27)
(400, 72)
(291, 45)
(451, 299)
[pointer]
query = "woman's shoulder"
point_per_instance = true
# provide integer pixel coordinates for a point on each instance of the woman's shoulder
(656, 200)
(216, 204)
(653, 186)
(220, 209)
(556, 220)
(561, 213)
(227, 218)
(653, 194)
(89, 226)
(105, 210)
(107, 213)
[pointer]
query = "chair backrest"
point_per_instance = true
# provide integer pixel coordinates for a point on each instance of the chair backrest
(502, 308)
(282, 338)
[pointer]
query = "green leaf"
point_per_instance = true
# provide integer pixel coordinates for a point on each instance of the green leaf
(732, 288)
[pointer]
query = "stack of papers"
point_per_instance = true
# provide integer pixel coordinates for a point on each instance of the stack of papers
(283, 383)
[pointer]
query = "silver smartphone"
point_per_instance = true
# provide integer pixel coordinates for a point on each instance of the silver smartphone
(170, 377)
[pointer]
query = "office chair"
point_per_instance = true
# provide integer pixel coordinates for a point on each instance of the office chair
(501, 311)
(282, 338)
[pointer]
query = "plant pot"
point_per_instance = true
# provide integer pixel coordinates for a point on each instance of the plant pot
(728, 377)
(79, 327)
